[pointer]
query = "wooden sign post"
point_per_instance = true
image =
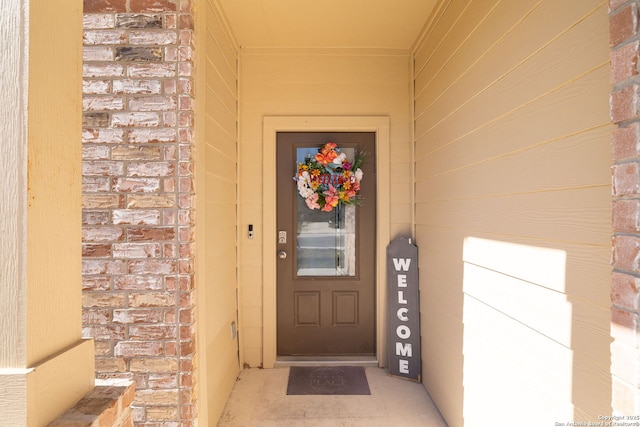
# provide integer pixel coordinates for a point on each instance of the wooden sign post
(404, 310)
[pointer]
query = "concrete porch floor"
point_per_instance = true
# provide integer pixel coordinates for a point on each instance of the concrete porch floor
(259, 398)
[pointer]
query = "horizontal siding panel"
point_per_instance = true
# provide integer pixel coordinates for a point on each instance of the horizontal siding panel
(251, 192)
(485, 22)
(506, 358)
(517, 261)
(225, 143)
(339, 93)
(400, 229)
(322, 109)
(445, 22)
(225, 90)
(222, 190)
(215, 110)
(443, 260)
(537, 29)
(222, 139)
(401, 192)
(591, 336)
(217, 34)
(557, 114)
(592, 380)
(504, 83)
(224, 259)
(402, 146)
(573, 325)
(523, 301)
(440, 252)
(401, 172)
(221, 168)
(441, 309)
(580, 160)
(400, 212)
(578, 215)
(308, 69)
(221, 364)
(222, 218)
(441, 255)
(215, 63)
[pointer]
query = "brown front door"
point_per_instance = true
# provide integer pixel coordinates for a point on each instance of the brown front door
(326, 266)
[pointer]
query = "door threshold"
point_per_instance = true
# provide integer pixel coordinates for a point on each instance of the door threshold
(364, 361)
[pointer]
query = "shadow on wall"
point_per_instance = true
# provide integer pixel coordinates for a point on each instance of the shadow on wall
(530, 354)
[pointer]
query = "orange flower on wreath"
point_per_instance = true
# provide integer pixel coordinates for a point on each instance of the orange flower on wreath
(327, 154)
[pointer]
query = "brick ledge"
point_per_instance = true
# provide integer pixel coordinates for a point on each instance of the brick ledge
(108, 404)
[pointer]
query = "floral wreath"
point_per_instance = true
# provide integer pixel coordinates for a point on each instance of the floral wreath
(328, 179)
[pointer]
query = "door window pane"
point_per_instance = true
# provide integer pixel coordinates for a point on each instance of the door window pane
(326, 241)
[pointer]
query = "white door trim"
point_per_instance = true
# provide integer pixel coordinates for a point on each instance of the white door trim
(273, 124)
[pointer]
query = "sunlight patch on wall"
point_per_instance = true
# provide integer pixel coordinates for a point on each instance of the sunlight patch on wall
(518, 360)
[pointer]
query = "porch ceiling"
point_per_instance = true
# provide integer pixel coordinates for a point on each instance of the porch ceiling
(391, 24)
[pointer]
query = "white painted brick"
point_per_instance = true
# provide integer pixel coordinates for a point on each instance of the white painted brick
(153, 103)
(136, 250)
(171, 53)
(136, 216)
(92, 184)
(101, 201)
(185, 69)
(151, 70)
(96, 87)
(141, 119)
(103, 70)
(130, 86)
(136, 185)
(134, 152)
(153, 37)
(96, 21)
(185, 53)
(105, 135)
(152, 135)
(97, 53)
(95, 152)
(102, 168)
(102, 234)
(103, 267)
(169, 119)
(150, 169)
(102, 103)
(151, 201)
(109, 37)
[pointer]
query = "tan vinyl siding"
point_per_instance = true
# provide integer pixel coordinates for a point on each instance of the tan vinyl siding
(321, 82)
(512, 161)
(53, 188)
(216, 166)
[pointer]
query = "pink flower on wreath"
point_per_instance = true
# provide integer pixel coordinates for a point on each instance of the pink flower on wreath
(331, 198)
(312, 201)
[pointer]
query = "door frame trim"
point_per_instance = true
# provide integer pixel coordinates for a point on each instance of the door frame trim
(273, 124)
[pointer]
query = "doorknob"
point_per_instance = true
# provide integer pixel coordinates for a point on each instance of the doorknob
(282, 255)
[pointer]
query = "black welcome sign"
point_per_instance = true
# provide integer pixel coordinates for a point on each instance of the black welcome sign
(404, 310)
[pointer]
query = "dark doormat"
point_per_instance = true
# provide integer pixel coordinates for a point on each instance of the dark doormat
(338, 380)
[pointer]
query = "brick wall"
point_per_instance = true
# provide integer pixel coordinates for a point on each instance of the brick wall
(138, 301)
(625, 114)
